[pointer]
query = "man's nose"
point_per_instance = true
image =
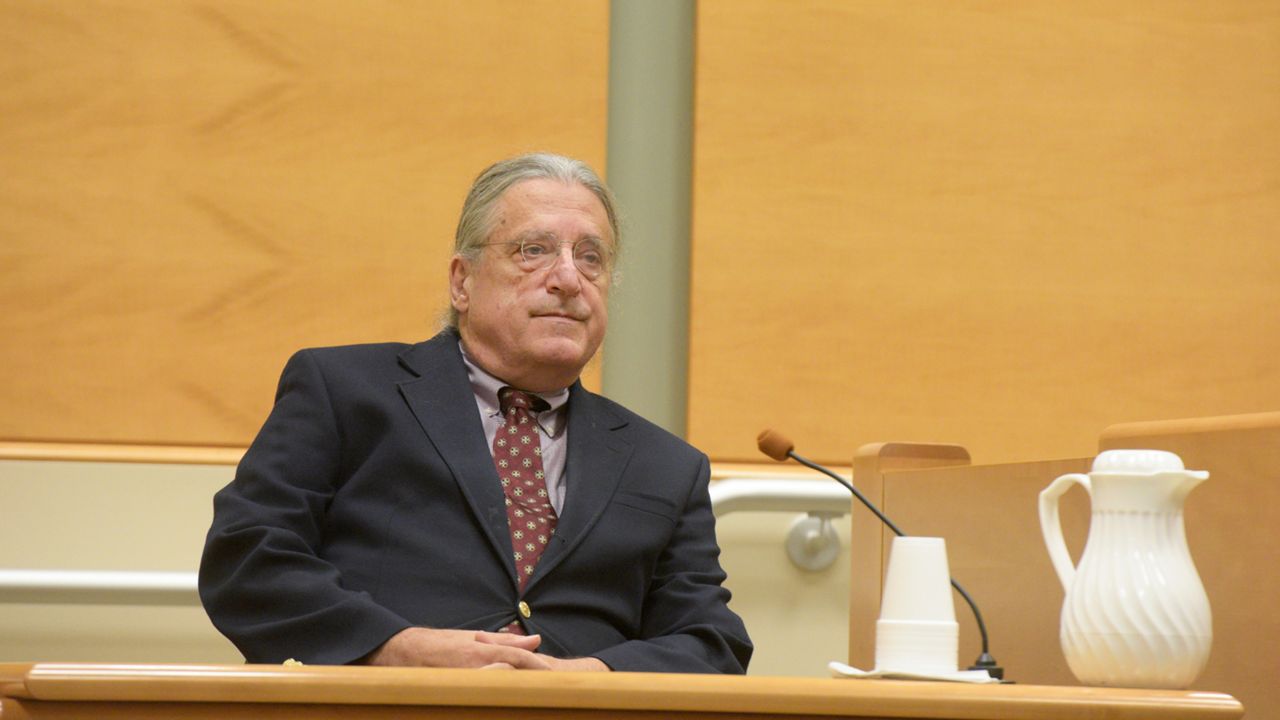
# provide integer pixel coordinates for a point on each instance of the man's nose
(563, 275)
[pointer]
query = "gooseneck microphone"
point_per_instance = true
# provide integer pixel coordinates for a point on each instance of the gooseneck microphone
(779, 447)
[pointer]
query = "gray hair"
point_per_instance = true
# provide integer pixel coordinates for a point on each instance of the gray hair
(479, 209)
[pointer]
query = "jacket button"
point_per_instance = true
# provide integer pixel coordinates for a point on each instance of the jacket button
(524, 610)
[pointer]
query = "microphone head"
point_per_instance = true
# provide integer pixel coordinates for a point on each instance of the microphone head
(774, 444)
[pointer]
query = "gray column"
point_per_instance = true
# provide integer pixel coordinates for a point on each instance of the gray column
(649, 168)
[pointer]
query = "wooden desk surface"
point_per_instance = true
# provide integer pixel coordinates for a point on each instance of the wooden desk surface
(59, 690)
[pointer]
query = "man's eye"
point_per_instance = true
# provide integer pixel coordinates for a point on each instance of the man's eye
(589, 252)
(534, 250)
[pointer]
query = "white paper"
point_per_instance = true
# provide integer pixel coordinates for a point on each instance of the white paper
(839, 669)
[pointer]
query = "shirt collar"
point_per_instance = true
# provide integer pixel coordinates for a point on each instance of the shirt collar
(486, 387)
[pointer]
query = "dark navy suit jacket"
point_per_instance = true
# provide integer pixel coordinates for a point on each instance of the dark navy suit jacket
(369, 503)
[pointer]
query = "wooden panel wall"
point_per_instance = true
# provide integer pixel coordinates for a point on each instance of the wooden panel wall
(192, 190)
(1006, 225)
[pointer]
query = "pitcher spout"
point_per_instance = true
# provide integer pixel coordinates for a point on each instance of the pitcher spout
(1182, 483)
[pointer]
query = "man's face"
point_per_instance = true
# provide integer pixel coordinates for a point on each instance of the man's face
(535, 329)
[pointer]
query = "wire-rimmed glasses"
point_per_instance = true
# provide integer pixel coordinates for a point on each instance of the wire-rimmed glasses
(590, 255)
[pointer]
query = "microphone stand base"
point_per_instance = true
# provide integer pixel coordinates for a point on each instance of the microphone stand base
(988, 663)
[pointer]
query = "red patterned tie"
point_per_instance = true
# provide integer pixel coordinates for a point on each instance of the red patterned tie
(517, 454)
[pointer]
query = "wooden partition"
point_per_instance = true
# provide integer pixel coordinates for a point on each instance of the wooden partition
(68, 692)
(193, 190)
(988, 515)
(1233, 528)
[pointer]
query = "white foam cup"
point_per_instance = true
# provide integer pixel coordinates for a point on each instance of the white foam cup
(917, 583)
(917, 646)
(917, 630)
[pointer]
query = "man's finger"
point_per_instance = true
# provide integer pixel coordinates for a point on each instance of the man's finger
(524, 642)
(519, 659)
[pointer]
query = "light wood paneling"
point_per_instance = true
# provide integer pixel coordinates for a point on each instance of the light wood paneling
(193, 190)
(1004, 225)
(121, 453)
(52, 690)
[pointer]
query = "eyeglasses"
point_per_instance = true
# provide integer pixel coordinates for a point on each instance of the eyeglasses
(590, 256)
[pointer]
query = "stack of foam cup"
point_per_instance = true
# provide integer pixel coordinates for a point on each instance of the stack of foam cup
(917, 630)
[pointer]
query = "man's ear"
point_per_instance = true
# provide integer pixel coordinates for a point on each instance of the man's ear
(459, 275)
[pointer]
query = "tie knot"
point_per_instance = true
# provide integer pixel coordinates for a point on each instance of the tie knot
(509, 397)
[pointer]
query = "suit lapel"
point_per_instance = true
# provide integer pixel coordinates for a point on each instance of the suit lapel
(442, 401)
(594, 466)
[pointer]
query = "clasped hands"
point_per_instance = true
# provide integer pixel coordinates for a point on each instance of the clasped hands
(431, 647)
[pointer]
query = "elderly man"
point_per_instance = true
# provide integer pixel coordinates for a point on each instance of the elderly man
(464, 502)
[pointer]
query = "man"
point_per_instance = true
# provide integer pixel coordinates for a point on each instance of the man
(464, 501)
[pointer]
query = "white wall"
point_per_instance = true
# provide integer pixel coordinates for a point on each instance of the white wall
(105, 516)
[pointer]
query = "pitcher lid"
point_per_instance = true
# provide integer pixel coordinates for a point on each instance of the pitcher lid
(1136, 461)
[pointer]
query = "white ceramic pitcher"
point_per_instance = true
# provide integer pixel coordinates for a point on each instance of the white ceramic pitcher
(1136, 614)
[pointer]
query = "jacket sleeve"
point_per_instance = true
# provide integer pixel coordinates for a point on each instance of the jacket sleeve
(687, 625)
(262, 579)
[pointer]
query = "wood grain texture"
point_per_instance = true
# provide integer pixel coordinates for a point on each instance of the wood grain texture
(121, 453)
(318, 691)
(1006, 225)
(193, 190)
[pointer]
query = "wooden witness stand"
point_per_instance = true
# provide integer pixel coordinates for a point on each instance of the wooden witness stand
(987, 513)
(930, 489)
(50, 690)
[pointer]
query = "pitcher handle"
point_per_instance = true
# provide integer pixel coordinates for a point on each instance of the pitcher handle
(1051, 525)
